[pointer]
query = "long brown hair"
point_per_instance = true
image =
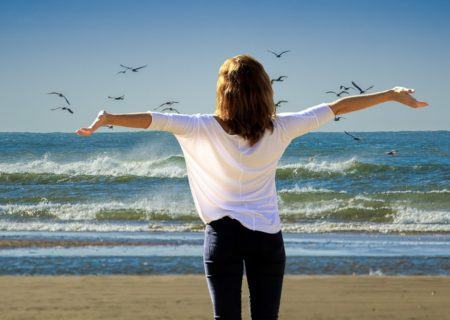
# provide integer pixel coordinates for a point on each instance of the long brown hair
(244, 99)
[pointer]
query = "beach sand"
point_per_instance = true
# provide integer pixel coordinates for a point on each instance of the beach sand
(186, 297)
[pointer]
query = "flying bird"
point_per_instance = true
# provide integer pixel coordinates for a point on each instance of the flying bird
(361, 91)
(59, 94)
(279, 79)
(170, 109)
(117, 98)
(132, 69)
(338, 118)
(278, 55)
(167, 103)
(63, 108)
(338, 94)
(278, 104)
(354, 138)
(346, 88)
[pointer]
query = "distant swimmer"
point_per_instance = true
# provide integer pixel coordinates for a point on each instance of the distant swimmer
(278, 104)
(170, 109)
(354, 138)
(279, 79)
(59, 94)
(117, 98)
(132, 69)
(167, 103)
(278, 55)
(63, 108)
(338, 94)
(392, 153)
(361, 91)
(337, 118)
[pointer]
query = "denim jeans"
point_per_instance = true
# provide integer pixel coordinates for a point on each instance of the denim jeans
(228, 247)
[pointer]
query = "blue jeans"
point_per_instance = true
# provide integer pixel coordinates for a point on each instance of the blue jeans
(228, 247)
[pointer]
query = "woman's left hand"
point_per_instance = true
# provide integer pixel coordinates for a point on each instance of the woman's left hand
(403, 95)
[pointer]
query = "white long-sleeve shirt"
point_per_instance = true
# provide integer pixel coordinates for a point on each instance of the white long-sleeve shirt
(226, 176)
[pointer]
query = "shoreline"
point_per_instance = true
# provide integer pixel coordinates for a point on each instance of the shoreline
(186, 297)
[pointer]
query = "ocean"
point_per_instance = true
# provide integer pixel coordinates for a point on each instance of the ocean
(118, 203)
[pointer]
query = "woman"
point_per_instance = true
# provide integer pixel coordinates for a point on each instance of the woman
(231, 159)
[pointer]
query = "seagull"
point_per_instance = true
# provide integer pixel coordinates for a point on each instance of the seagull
(132, 69)
(278, 104)
(170, 109)
(361, 91)
(338, 118)
(354, 138)
(63, 108)
(338, 94)
(392, 153)
(167, 103)
(59, 94)
(279, 79)
(346, 88)
(117, 98)
(278, 55)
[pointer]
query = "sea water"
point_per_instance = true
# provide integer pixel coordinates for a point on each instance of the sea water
(338, 199)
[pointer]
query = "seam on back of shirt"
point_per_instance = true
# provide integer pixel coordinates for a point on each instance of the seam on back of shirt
(282, 130)
(168, 123)
(198, 126)
(317, 119)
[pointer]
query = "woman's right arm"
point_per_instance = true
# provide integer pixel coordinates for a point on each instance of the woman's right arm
(131, 120)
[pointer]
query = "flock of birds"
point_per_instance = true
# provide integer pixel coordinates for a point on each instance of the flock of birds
(339, 93)
(168, 105)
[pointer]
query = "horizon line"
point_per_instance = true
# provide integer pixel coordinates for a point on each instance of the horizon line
(148, 130)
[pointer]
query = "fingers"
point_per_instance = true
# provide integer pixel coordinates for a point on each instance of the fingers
(84, 132)
(421, 104)
(416, 104)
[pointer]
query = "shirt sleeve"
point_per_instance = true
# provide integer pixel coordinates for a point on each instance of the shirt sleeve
(179, 124)
(295, 124)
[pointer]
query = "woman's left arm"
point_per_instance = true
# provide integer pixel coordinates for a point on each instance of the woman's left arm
(363, 101)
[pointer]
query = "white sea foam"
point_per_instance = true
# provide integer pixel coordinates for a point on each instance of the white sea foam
(88, 211)
(308, 189)
(327, 226)
(415, 191)
(136, 226)
(323, 166)
(377, 272)
(407, 215)
(102, 165)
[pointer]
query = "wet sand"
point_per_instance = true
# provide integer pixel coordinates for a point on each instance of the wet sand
(186, 297)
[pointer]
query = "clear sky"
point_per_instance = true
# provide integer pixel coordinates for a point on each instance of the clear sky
(76, 47)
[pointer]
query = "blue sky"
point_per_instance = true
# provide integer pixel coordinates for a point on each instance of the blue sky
(76, 47)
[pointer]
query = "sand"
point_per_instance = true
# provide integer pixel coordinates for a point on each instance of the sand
(186, 297)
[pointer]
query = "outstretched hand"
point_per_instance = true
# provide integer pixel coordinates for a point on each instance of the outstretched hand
(98, 122)
(403, 95)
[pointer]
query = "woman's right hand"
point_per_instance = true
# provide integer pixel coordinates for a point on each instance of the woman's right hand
(100, 121)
